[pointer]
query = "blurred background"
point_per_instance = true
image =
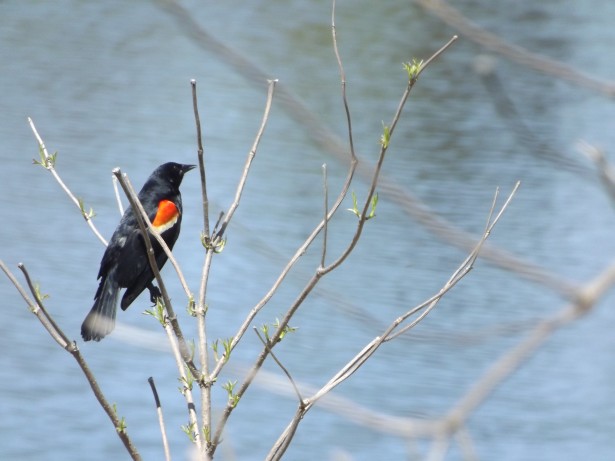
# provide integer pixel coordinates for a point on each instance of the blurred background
(107, 84)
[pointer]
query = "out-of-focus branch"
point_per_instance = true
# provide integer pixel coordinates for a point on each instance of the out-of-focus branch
(534, 142)
(493, 42)
(605, 170)
(585, 299)
(331, 143)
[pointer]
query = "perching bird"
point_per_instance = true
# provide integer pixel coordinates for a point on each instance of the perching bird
(125, 263)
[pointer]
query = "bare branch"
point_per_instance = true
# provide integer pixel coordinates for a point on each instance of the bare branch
(358, 360)
(343, 85)
(48, 164)
(326, 215)
(206, 382)
(199, 139)
(290, 378)
(586, 298)
(306, 244)
(383, 149)
(248, 164)
(118, 198)
(163, 431)
(604, 168)
(58, 335)
(541, 63)
(42, 314)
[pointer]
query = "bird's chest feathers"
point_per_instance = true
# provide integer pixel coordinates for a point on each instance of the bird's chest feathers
(166, 216)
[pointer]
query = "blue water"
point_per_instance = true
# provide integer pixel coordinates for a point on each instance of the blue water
(107, 85)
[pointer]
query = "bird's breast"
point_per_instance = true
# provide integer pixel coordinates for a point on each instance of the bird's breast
(166, 216)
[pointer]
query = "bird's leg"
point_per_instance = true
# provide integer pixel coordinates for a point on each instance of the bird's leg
(154, 292)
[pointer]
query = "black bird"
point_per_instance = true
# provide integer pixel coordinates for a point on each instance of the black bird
(125, 263)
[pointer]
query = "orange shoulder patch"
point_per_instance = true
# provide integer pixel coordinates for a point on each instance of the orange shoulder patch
(166, 215)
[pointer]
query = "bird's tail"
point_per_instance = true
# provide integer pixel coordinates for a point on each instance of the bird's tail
(101, 319)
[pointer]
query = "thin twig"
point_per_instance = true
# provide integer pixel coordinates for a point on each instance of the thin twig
(213, 243)
(343, 86)
(286, 372)
(163, 431)
(320, 272)
(206, 382)
(606, 171)
(464, 268)
(586, 298)
(201, 157)
(35, 305)
(383, 150)
(368, 350)
(60, 337)
(186, 384)
(246, 169)
(47, 321)
(326, 214)
(48, 164)
(308, 241)
(118, 198)
(200, 307)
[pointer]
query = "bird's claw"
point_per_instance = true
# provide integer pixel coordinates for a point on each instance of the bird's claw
(154, 293)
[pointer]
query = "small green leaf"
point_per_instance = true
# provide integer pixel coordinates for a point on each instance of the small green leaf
(217, 245)
(413, 69)
(157, 312)
(265, 331)
(187, 382)
(45, 161)
(229, 388)
(372, 212)
(39, 296)
(227, 343)
(191, 307)
(386, 136)
(121, 427)
(41, 155)
(287, 328)
(189, 431)
(355, 207)
(214, 347)
(87, 215)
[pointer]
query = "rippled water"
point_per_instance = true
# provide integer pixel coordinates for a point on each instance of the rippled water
(107, 85)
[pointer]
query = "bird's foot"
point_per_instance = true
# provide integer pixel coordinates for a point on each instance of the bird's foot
(154, 293)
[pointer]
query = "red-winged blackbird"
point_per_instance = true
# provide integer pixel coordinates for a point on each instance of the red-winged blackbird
(125, 263)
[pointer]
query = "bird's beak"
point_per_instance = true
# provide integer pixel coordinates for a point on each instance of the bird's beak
(187, 168)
